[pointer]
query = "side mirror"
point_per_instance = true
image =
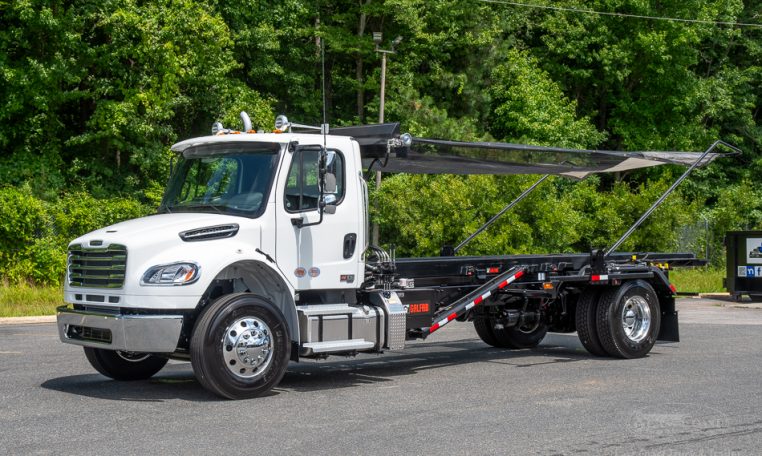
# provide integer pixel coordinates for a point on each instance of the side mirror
(329, 172)
(329, 184)
(329, 204)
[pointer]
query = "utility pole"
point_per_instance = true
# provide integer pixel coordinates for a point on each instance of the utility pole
(378, 38)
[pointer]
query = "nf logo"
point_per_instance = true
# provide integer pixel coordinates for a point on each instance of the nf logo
(750, 271)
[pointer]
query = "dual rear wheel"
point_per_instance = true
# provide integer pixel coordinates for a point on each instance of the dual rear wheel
(622, 322)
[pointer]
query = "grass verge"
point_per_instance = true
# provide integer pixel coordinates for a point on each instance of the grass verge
(29, 301)
(698, 280)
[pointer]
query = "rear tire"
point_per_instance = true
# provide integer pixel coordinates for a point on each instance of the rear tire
(526, 336)
(483, 328)
(515, 337)
(240, 346)
(585, 318)
(755, 298)
(628, 319)
(126, 366)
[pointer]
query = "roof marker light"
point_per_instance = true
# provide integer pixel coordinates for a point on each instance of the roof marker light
(281, 123)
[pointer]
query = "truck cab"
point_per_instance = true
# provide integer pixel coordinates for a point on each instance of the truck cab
(281, 216)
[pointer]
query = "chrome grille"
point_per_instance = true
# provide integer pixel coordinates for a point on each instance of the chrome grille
(97, 268)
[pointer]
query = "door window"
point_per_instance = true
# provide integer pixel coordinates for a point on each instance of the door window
(302, 186)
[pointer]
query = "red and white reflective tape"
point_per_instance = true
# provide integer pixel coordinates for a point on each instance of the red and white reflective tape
(475, 302)
(673, 288)
(599, 278)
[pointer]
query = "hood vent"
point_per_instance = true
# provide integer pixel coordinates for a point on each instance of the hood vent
(210, 232)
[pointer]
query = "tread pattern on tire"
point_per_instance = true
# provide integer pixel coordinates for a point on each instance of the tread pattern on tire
(205, 371)
(606, 303)
(509, 337)
(483, 328)
(585, 320)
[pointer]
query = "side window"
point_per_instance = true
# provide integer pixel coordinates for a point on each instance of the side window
(302, 189)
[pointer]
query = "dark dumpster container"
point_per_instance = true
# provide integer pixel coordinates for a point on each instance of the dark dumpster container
(743, 275)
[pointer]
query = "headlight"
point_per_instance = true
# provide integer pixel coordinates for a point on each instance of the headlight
(171, 274)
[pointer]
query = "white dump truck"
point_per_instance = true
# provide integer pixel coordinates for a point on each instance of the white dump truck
(259, 256)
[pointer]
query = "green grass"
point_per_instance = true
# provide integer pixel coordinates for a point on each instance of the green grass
(26, 300)
(698, 280)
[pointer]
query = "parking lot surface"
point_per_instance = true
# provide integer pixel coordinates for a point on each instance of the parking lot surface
(451, 394)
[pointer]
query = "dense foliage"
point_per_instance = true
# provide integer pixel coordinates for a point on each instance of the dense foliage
(92, 93)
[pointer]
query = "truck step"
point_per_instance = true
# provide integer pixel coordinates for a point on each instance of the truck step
(336, 346)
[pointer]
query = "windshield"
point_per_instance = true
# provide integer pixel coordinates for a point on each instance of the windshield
(227, 178)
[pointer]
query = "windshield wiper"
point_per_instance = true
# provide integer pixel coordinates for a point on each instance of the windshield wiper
(216, 207)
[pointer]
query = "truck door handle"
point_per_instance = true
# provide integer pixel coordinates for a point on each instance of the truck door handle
(350, 241)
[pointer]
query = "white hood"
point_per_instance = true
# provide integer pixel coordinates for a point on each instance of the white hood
(162, 227)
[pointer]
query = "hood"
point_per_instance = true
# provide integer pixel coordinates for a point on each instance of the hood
(159, 228)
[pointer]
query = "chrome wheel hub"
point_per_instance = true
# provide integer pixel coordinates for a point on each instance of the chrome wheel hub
(247, 347)
(636, 318)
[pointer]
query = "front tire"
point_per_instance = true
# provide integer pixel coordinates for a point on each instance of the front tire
(240, 346)
(125, 366)
(628, 319)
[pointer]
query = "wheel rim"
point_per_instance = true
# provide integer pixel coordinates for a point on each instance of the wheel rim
(132, 356)
(247, 347)
(636, 318)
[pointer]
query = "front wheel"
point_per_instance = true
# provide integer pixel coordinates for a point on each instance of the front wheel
(240, 346)
(628, 319)
(121, 365)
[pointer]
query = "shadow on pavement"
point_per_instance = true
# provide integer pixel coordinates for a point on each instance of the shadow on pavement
(176, 381)
(370, 369)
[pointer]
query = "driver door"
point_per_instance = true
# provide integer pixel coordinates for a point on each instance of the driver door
(314, 256)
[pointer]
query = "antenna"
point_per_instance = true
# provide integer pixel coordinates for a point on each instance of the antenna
(324, 126)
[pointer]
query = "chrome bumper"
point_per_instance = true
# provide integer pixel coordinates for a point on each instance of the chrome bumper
(114, 331)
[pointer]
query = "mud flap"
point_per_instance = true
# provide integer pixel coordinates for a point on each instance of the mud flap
(669, 331)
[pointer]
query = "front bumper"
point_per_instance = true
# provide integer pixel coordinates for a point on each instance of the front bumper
(115, 331)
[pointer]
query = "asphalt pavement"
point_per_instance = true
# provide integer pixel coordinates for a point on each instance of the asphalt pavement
(451, 394)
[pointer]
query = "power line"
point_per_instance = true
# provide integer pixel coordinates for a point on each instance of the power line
(635, 16)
